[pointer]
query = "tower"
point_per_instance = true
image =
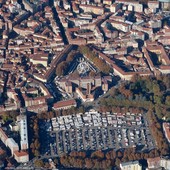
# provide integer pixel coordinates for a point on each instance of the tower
(22, 121)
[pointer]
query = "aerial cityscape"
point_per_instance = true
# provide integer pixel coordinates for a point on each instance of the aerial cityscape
(85, 84)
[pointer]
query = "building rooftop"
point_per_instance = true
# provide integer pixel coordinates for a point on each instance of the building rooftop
(65, 103)
(20, 153)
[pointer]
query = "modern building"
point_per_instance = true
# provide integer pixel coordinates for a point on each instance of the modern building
(132, 165)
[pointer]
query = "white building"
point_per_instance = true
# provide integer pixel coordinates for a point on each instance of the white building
(56, 3)
(3, 136)
(22, 120)
(20, 156)
(132, 165)
(165, 163)
(13, 146)
(115, 7)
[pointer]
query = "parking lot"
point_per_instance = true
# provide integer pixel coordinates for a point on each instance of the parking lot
(93, 130)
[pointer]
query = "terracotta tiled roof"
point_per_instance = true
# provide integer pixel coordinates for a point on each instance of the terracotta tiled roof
(64, 103)
(20, 153)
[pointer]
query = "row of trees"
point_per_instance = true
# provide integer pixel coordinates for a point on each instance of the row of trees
(104, 160)
(108, 104)
(88, 163)
(34, 128)
(157, 133)
(9, 116)
(150, 93)
(99, 63)
(51, 114)
(121, 109)
(62, 68)
(39, 163)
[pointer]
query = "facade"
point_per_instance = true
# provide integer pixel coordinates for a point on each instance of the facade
(38, 108)
(131, 166)
(68, 87)
(63, 105)
(165, 4)
(165, 163)
(89, 8)
(84, 82)
(105, 86)
(153, 163)
(3, 136)
(28, 6)
(156, 23)
(158, 163)
(13, 146)
(135, 5)
(115, 7)
(85, 97)
(21, 156)
(153, 5)
(22, 120)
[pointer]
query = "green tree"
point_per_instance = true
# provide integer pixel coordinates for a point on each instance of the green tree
(167, 101)
(36, 153)
(39, 163)
(36, 144)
